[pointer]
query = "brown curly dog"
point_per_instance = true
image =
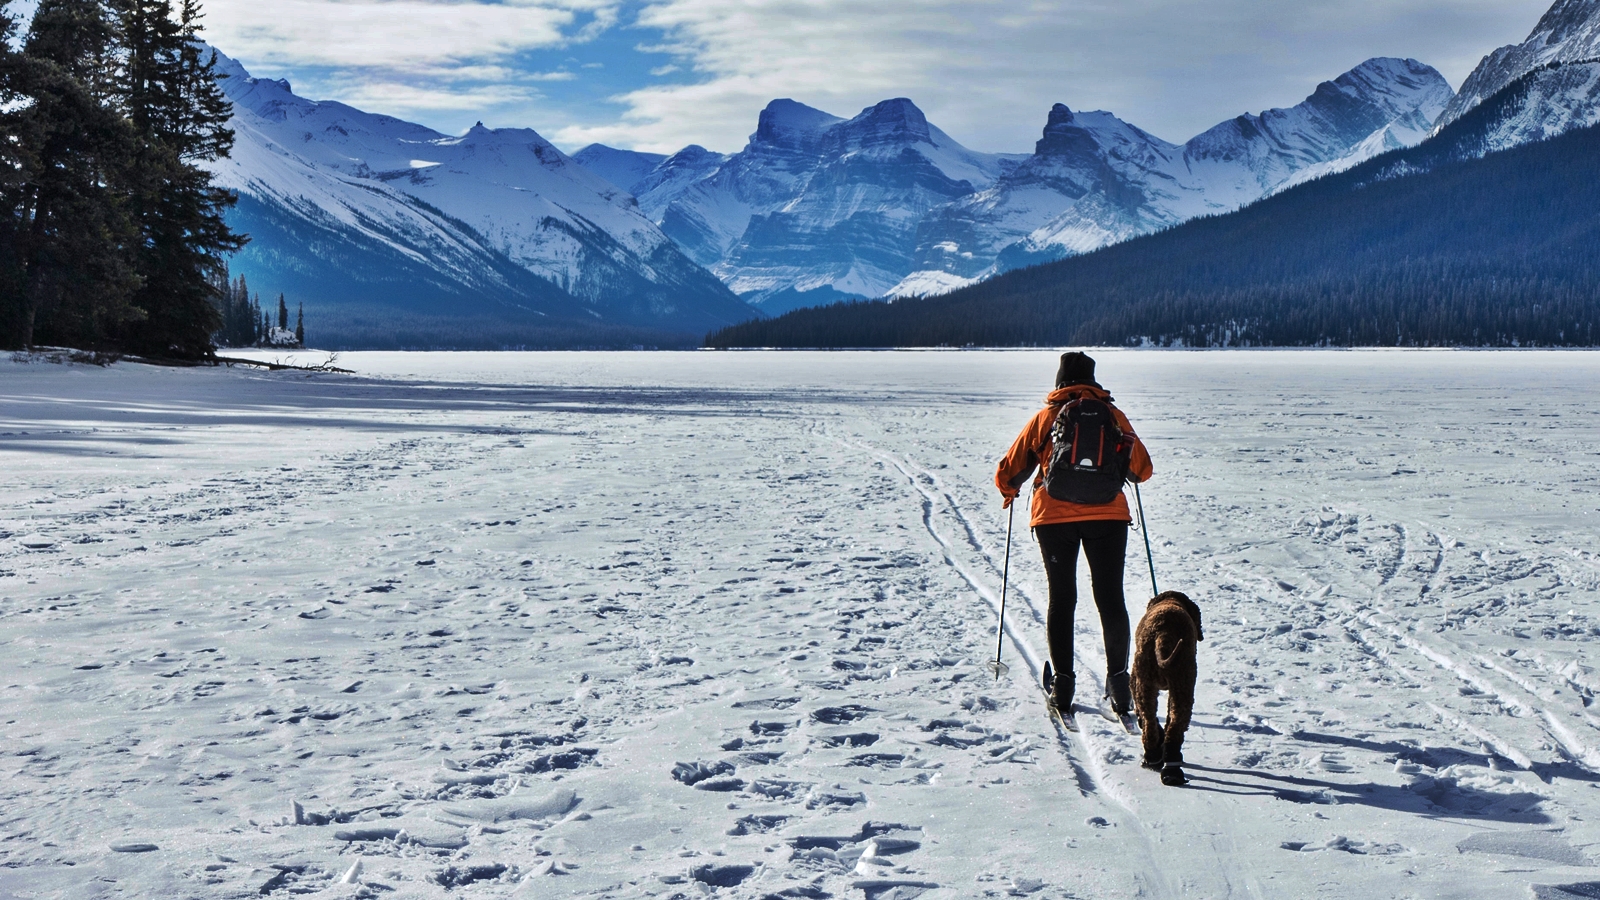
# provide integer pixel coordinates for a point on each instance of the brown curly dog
(1164, 660)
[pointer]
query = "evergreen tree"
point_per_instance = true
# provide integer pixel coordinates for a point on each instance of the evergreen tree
(300, 325)
(240, 319)
(64, 153)
(241, 327)
(167, 87)
(283, 314)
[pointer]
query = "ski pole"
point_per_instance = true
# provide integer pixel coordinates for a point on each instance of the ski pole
(1144, 528)
(997, 667)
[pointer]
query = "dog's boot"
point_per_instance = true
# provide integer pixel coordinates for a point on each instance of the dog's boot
(1172, 768)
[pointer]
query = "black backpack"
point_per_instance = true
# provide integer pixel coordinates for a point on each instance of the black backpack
(1088, 455)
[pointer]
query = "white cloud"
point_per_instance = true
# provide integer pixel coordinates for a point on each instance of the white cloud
(984, 70)
(409, 58)
(386, 95)
(416, 35)
(987, 70)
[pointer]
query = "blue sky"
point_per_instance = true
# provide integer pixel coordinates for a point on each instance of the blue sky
(662, 74)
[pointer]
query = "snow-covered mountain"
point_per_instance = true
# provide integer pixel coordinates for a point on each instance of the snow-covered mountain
(623, 168)
(817, 208)
(364, 216)
(1553, 80)
(655, 180)
(814, 207)
(1095, 180)
(1568, 32)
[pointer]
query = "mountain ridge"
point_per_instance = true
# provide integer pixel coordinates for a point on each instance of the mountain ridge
(1438, 244)
(491, 223)
(1095, 180)
(817, 208)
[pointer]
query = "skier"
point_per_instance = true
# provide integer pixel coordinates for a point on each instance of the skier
(1061, 525)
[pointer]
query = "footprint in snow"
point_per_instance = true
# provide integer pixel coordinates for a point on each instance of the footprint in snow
(860, 739)
(771, 703)
(565, 759)
(840, 715)
(693, 773)
(1345, 845)
(754, 824)
(454, 876)
(961, 742)
(877, 760)
(835, 799)
(778, 788)
(716, 876)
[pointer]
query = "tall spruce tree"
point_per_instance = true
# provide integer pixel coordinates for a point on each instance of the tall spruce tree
(11, 178)
(283, 314)
(65, 228)
(167, 85)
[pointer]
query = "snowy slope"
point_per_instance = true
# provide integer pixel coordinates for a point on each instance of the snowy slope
(623, 168)
(815, 204)
(1568, 32)
(1095, 180)
(653, 179)
(408, 634)
(1542, 104)
(470, 207)
(1547, 85)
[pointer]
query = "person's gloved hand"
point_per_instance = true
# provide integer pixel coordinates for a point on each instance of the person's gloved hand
(1006, 503)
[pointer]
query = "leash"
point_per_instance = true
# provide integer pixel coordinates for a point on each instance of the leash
(1144, 529)
(997, 667)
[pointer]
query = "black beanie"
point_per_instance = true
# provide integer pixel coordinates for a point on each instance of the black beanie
(1076, 368)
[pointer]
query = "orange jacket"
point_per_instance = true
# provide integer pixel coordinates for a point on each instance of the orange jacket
(1031, 450)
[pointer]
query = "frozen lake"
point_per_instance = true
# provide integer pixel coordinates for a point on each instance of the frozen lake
(714, 624)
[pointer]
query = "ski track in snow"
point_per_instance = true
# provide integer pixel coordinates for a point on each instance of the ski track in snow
(678, 625)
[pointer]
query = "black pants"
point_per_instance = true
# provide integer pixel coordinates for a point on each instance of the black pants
(1105, 546)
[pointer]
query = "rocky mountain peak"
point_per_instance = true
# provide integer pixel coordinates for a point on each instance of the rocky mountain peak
(790, 122)
(1061, 133)
(891, 121)
(690, 154)
(1568, 32)
(1067, 133)
(1565, 21)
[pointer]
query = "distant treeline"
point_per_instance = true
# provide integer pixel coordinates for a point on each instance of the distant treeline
(246, 324)
(111, 233)
(1429, 246)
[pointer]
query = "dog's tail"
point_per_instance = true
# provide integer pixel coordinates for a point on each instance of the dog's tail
(1165, 661)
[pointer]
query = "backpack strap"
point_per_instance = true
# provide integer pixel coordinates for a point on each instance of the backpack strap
(1038, 451)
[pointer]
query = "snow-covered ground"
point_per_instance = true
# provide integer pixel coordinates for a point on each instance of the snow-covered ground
(657, 625)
